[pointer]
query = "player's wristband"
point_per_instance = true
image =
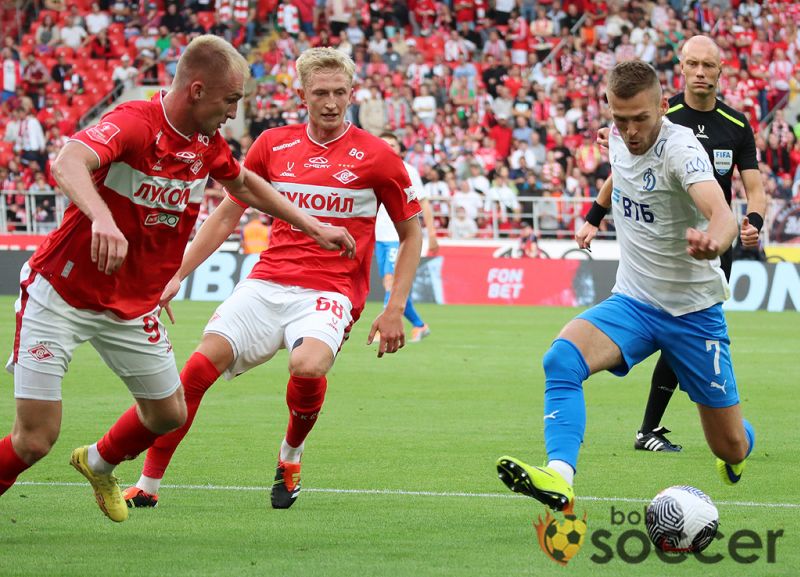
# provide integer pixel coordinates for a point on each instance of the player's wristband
(596, 214)
(756, 220)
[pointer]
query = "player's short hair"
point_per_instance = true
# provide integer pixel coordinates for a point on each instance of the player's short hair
(211, 57)
(389, 135)
(314, 60)
(629, 78)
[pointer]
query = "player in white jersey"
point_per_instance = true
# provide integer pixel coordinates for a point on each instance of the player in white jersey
(673, 223)
(387, 242)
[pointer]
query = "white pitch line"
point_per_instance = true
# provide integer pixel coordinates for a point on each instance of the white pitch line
(415, 493)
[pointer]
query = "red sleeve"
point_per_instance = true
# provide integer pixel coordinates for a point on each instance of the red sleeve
(225, 166)
(257, 158)
(257, 162)
(393, 187)
(118, 132)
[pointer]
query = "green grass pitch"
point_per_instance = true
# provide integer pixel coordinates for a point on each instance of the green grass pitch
(399, 474)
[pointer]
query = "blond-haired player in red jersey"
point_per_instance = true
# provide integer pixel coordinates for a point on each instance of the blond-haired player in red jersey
(297, 296)
(136, 180)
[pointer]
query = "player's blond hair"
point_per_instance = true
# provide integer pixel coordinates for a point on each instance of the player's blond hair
(315, 60)
(209, 57)
(629, 78)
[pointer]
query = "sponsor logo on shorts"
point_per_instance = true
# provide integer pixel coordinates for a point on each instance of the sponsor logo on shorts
(40, 352)
(155, 218)
(345, 176)
(103, 132)
(286, 145)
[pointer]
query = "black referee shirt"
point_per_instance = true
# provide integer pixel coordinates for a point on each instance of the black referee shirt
(724, 132)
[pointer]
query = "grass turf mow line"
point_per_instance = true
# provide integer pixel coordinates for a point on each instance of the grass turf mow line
(405, 493)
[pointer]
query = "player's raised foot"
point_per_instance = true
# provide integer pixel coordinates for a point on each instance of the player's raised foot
(730, 474)
(542, 483)
(419, 333)
(286, 486)
(656, 441)
(136, 498)
(106, 490)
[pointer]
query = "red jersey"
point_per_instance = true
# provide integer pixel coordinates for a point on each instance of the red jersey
(152, 178)
(341, 183)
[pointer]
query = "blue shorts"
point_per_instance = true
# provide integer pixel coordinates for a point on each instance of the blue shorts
(696, 345)
(386, 253)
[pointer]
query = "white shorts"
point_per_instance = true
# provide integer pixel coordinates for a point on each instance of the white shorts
(262, 317)
(48, 331)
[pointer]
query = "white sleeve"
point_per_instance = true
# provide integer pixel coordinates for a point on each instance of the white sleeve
(687, 160)
(416, 181)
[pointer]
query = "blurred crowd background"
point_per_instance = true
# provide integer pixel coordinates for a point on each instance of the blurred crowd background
(497, 102)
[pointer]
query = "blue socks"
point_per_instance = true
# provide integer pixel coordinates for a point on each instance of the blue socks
(564, 408)
(751, 436)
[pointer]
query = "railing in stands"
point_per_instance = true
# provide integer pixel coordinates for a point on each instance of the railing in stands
(34, 216)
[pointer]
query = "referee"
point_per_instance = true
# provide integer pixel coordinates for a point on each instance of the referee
(728, 139)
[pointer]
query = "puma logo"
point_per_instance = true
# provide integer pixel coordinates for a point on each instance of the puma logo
(551, 415)
(720, 387)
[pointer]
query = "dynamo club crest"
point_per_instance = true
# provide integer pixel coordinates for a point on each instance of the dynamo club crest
(723, 161)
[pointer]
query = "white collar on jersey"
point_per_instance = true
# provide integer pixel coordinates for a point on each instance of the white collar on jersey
(349, 124)
(164, 110)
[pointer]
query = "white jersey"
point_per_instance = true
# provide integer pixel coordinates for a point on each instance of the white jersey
(652, 209)
(384, 227)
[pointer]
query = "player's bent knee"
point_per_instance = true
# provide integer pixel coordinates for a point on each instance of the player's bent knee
(33, 446)
(731, 449)
(308, 370)
(564, 365)
(164, 415)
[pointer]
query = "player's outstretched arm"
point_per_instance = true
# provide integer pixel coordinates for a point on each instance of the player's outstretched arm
(72, 170)
(594, 217)
(430, 227)
(213, 232)
(722, 228)
(390, 321)
(756, 207)
(254, 191)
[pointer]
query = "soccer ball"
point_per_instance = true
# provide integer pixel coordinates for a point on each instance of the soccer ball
(563, 541)
(682, 519)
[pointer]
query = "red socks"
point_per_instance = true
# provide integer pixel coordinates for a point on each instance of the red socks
(10, 464)
(125, 439)
(197, 376)
(304, 396)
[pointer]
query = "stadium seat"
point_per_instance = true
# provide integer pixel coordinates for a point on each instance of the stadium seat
(84, 53)
(206, 19)
(66, 51)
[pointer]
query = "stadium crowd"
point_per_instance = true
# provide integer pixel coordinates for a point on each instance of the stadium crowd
(496, 103)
